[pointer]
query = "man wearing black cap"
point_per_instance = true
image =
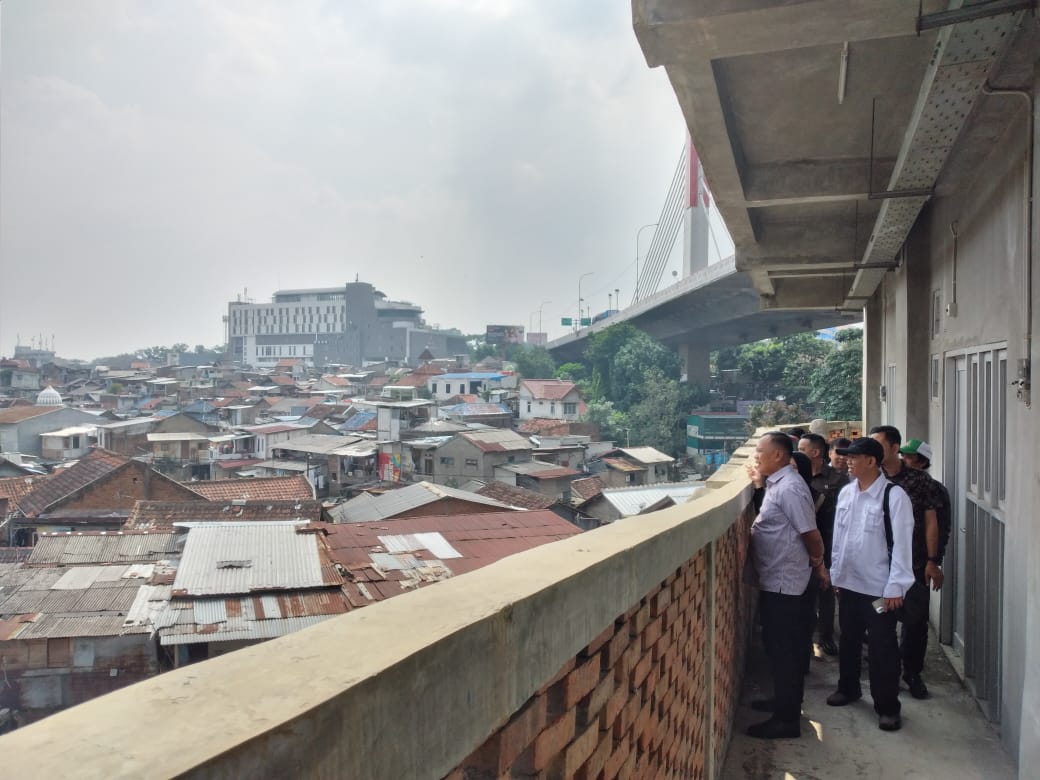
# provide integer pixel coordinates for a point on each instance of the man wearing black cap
(871, 581)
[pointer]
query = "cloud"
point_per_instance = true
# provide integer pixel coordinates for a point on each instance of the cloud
(473, 157)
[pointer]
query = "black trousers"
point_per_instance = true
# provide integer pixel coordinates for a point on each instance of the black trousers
(914, 638)
(825, 618)
(856, 616)
(784, 639)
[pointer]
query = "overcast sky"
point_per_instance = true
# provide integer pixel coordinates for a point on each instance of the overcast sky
(474, 157)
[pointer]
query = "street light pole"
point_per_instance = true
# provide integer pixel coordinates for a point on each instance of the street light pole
(638, 234)
(540, 305)
(577, 325)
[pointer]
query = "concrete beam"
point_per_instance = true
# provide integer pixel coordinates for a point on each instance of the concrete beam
(670, 31)
(812, 293)
(813, 181)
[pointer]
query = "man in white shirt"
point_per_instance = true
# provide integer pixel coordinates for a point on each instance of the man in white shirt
(870, 581)
(786, 548)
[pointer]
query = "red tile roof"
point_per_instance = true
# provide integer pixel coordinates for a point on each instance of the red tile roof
(515, 496)
(161, 515)
(259, 489)
(548, 389)
(63, 484)
(479, 539)
(16, 488)
(586, 489)
(283, 381)
(15, 414)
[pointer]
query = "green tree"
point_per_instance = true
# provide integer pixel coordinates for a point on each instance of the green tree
(572, 372)
(837, 385)
(612, 424)
(600, 354)
(638, 359)
(775, 413)
(535, 363)
(658, 419)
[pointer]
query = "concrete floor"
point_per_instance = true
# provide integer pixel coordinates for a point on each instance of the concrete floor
(945, 736)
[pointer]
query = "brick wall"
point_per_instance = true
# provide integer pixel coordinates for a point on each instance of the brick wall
(127, 486)
(653, 695)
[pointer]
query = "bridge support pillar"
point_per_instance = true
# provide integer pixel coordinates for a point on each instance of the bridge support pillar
(694, 359)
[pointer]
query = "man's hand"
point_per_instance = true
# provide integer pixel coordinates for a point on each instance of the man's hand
(824, 577)
(891, 605)
(933, 575)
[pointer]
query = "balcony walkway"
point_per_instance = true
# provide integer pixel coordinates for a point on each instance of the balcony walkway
(944, 736)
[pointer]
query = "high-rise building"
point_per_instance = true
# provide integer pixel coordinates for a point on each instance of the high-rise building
(353, 325)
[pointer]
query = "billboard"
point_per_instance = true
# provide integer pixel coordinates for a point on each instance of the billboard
(538, 339)
(505, 334)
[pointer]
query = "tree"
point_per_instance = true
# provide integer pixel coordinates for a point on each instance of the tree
(774, 413)
(572, 372)
(634, 363)
(612, 424)
(600, 354)
(837, 386)
(535, 363)
(658, 419)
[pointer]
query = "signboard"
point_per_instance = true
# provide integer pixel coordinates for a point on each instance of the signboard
(538, 339)
(566, 321)
(389, 467)
(505, 334)
(586, 321)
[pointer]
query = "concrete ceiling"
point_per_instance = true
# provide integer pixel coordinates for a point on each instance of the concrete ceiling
(820, 193)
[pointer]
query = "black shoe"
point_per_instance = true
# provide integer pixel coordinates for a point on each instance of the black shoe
(764, 705)
(890, 723)
(917, 687)
(827, 647)
(775, 729)
(840, 699)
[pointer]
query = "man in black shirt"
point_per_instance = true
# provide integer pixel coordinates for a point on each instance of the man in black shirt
(827, 482)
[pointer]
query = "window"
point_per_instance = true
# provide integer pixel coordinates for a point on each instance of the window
(511, 459)
(935, 378)
(447, 461)
(471, 463)
(569, 408)
(433, 387)
(528, 406)
(936, 313)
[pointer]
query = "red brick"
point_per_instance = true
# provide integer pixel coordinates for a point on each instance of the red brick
(613, 649)
(591, 769)
(651, 633)
(625, 662)
(640, 724)
(618, 756)
(575, 754)
(589, 708)
(499, 752)
(548, 745)
(593, 647)
(638, 621)
(626, 718)
(671, 614)
(613, 707)
(565, 694)
(639, 672)
(659, 601)
(566, 669)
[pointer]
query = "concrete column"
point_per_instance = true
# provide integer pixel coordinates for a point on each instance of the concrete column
(873, 360)
(918, 332)
(695, 366)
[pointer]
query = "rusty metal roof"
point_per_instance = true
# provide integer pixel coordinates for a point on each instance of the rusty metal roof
(497, 440)
(515, 496)
(101, 547)
(387, 557)
(161, 515)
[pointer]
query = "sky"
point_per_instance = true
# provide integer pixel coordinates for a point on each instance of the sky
(476, 157)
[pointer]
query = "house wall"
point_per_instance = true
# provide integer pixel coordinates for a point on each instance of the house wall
(24, 436)
(135, 482)
(44, 676)
(460, 451)
(989, 212)
(531, 408)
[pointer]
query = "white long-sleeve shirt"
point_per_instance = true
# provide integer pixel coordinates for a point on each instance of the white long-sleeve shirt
(859, 558)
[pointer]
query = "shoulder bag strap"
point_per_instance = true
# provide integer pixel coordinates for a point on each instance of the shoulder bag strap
(888, 518)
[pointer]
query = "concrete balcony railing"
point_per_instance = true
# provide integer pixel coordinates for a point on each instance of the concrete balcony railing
(620, 651)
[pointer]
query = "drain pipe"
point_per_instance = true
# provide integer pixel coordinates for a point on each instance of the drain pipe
(1022, 380)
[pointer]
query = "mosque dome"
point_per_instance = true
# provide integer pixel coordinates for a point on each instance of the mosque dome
(49, 397)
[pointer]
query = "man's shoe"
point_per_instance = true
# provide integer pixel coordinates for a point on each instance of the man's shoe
(764, 705)
(890, 723)
(827, 647)
(917, 687)
(840, 699)
(775, 729)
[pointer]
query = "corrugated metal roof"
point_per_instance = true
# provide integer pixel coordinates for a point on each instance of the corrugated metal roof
(260, 629)
(431, 540)
(149, 602)
(646, 454)
(632, 501)
(497, 440)
(87, 548)
(55, 626)
(227, 558)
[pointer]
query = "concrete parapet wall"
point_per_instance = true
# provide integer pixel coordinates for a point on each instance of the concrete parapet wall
(619, 649)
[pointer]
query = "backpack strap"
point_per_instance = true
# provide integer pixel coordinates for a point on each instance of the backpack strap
(888, 517)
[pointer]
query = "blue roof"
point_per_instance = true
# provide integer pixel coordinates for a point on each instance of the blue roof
(358, 420)
(476, 408)
(470, 375)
